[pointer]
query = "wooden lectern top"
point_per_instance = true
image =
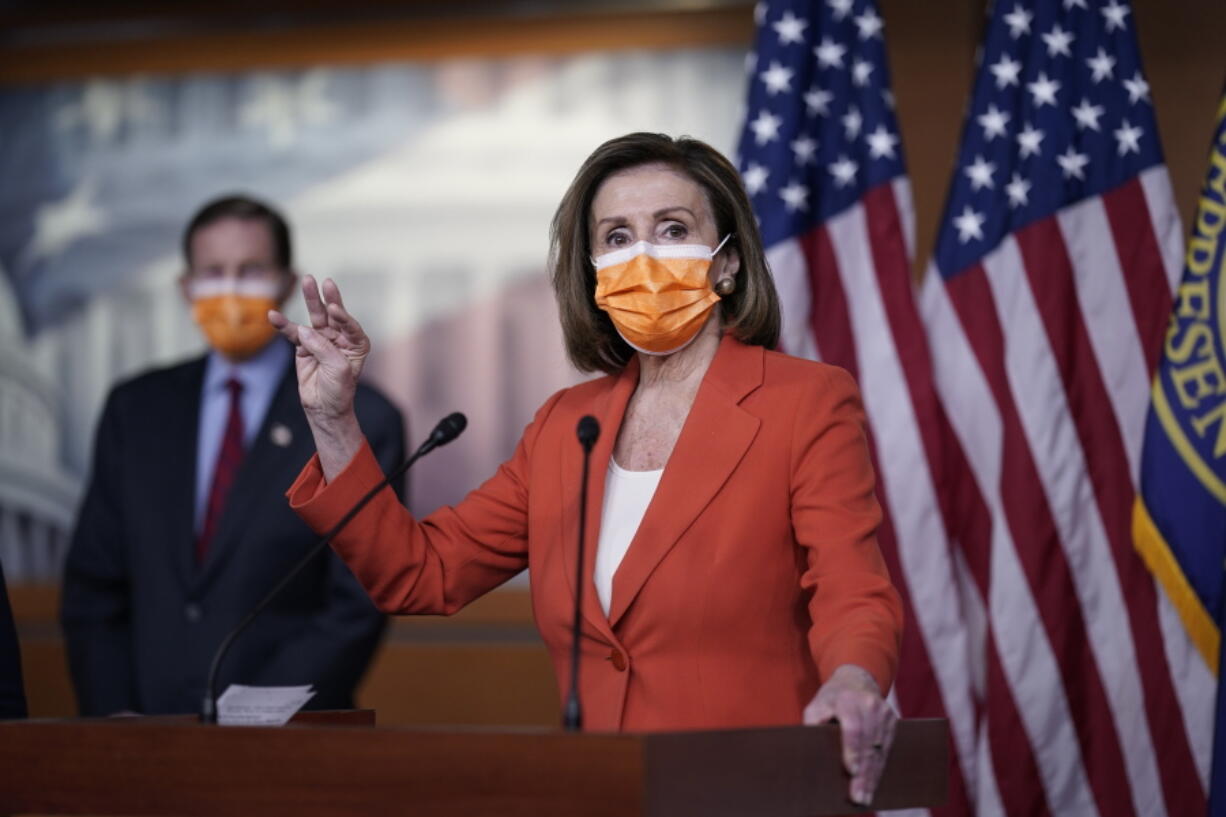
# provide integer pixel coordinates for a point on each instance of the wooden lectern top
(170, 766)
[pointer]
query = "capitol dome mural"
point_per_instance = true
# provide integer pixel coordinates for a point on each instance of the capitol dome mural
(37, 496)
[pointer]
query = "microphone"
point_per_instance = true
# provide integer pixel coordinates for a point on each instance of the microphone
(588, 431)
(447, 430)
(572, 717)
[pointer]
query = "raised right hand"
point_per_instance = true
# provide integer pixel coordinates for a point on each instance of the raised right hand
(329, 358)
(330, 352)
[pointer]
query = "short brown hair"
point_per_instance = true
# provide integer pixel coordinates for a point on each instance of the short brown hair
(751, 313)
(245, 208)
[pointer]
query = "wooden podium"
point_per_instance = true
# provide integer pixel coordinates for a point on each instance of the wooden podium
(341, 765)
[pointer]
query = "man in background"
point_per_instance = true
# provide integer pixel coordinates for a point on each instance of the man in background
(12, 692)
(184, 526)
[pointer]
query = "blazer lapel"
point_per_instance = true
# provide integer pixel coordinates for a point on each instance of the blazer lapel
(175, 491)
(609, 411)
(714, 439)
(263, 468)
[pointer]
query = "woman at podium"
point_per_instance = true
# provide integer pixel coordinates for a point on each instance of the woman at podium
(732, 575)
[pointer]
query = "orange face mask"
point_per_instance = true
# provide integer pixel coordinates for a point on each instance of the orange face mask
(657, 295)
(233, 315)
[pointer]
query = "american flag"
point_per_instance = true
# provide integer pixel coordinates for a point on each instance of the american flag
(1045, 307)
(821, 158)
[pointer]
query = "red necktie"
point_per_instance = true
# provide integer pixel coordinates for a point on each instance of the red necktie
(228, 459)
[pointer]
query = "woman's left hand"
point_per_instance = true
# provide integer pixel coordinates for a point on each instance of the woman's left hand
(852, 698)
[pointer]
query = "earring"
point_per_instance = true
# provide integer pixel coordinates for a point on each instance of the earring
(725, 287)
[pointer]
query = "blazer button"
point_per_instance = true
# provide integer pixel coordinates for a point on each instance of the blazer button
(193, 612)
(619, 660)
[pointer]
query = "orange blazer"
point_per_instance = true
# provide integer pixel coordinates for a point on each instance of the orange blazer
(754, 573)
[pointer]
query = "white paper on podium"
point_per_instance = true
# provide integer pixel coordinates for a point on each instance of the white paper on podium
(242, 705)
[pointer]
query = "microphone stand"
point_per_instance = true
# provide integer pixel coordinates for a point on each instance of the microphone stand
(572, 718)
(447, 430)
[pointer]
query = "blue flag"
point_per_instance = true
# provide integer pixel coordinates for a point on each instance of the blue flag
(1179, 518)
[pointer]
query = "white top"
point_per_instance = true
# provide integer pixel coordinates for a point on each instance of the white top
(626, 497)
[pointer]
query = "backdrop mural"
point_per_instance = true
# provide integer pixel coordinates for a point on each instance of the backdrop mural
(425, 190)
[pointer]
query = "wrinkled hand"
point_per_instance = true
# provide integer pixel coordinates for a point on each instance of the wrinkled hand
(851, 697)
(329, 358)
(330, 352)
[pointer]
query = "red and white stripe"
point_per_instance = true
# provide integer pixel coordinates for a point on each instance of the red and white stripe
(1090, 700)
(1068, 682)
(848, 300)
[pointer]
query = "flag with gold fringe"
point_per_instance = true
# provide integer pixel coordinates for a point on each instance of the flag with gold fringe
(1179, 516)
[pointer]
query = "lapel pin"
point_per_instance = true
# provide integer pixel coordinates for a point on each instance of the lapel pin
(281, 435)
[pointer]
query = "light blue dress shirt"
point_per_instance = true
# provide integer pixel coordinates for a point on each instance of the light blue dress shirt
(260, 377)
